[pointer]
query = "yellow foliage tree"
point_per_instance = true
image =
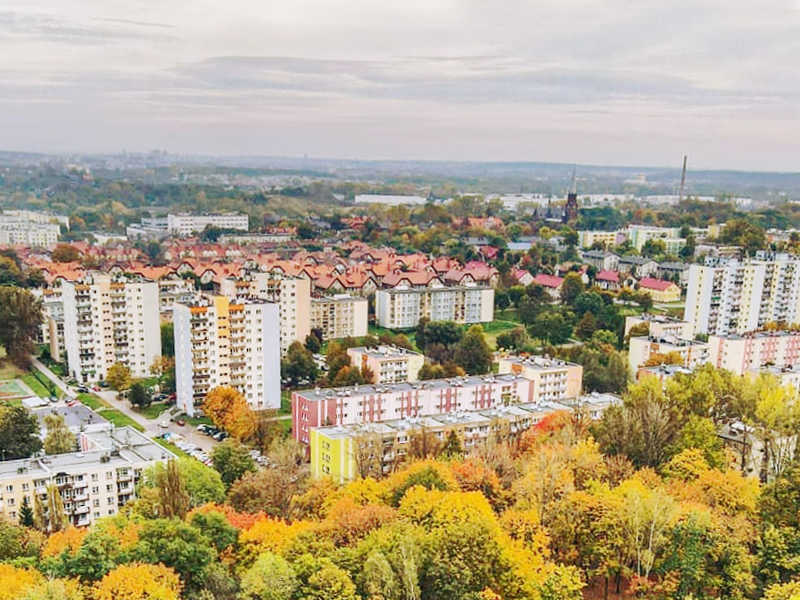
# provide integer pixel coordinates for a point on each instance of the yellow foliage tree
(228, 409)
(269, 535)
(138, 581)
(55, 589)
(15, 582)
(69, 539)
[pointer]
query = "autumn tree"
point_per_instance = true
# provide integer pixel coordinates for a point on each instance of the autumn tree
(269, 578)
(20, 319)
(118, 377)
(173, 498)
(138, 581)
(64, 253)
(228, 410)
(59, 438)
(232, 460)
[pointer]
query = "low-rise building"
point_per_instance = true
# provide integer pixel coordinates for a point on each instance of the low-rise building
(660, 326)
(638, 266)
(95, 482)
(606, 239)
(692, 352)
(339, 316)
(187, 224)
(551, 283)
(402, 308)
(602, 260)
(219, 342)
(383, 402)
(388, 364)
(552, 379)
(660, 290)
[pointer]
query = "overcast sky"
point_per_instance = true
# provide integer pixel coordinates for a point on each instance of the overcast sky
(590, 81)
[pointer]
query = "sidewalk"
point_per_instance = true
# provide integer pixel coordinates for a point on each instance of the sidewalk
(52, 376)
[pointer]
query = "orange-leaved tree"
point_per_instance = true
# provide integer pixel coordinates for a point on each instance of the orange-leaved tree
(228, 409)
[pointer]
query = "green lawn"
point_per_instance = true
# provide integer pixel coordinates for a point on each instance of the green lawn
(119, 419)
(195, 421)
(92, 401)
(36, 385)
(509, 314)
(9, 370)
(286, 403)
(153, 411)
(495, 328)
(171, 447)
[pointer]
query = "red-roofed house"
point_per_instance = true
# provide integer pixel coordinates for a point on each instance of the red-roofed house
(607, 280)
(660, 290)
(551, 283)
(522, 276)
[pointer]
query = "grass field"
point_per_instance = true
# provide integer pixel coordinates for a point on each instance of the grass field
(153, 411)
(171, 447)
(495, 328)
(36, 385)
(9, 370)
(286, 403)
(92, 401)
(118, 418)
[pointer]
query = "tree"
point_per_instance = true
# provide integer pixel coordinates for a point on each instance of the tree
(378, 580)
(269, 490)
(55, 589)
(586, 327)
(139, 582)
(571, 288)
(299, 364)
(551, 327)
(162, 365)
(19, 431)
(313, 343)
(168, 339)
(20, 319)
(269, 578)
(138, 396)
(173, 499)
(59, 438)
(177, 545)
(232, 460)
(214, 525)
(228, 410)
(453, 447)
(367, 452)
(329, 583)
(119, 377)
(55, 516)
(501, 300)
(26, 513)
(64, 253)
(472, 353)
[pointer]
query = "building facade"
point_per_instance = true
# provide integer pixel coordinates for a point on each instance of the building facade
(692, 352)
(727, 296)
(388, 364)
(108, 321)
(553, 380)
(660, 326)
(185, 224)
(339, 316)
(219, 342)
(755, 351)
(402, 308)
(93, 483)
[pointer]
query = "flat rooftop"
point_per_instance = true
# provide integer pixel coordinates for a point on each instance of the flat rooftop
(385, 352)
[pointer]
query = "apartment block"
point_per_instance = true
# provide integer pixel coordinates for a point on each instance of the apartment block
(402, 308)
(374, 403)
(389, 364)
(755, 351)
(291, 294)
(639, 235)
(727, 296)
(607, 239)
(28, 234)
(660, 326)
(553, 380)
(335, 451)
(339, 316)
(110, 320)
(186, 224)
(95, 482)
(223, 342)
(692, 352)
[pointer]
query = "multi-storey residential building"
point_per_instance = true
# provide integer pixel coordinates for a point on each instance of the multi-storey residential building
(402, 308)
(220, 342)
(108, 321)
(660, 326)
(345, 452)
(607, 239)
(552, 379)
(339, 316)
(728, 296)
(186, 224)
(602, 260)
(372, 403)
(754, 351)
(95, 482)
(31, 216)
(639, 235)
(291, 294)
(388, 364)
(28, 234)
(692, 352)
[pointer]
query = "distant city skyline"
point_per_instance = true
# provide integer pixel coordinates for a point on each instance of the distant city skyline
(611, 82)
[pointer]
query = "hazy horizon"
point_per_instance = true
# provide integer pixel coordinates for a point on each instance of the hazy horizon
(615, 83)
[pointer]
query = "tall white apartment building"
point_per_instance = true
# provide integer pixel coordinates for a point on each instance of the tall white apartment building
(223, 342)
(733, 296)
(28, 234)
(93, 483)
(32, 216)
(109, 321)
(339, 316)
(186, 224)
(291, 294)
(402, 307)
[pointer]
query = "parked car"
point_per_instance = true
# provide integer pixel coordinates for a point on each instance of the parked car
(180, 422)
(164, 424)
(83, 389)
(220, 436)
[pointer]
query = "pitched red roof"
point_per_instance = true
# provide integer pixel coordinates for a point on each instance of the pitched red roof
(611, 276)
(551, 281)
(659, 285)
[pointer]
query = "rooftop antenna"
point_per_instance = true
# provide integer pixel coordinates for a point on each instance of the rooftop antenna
(683, 180)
